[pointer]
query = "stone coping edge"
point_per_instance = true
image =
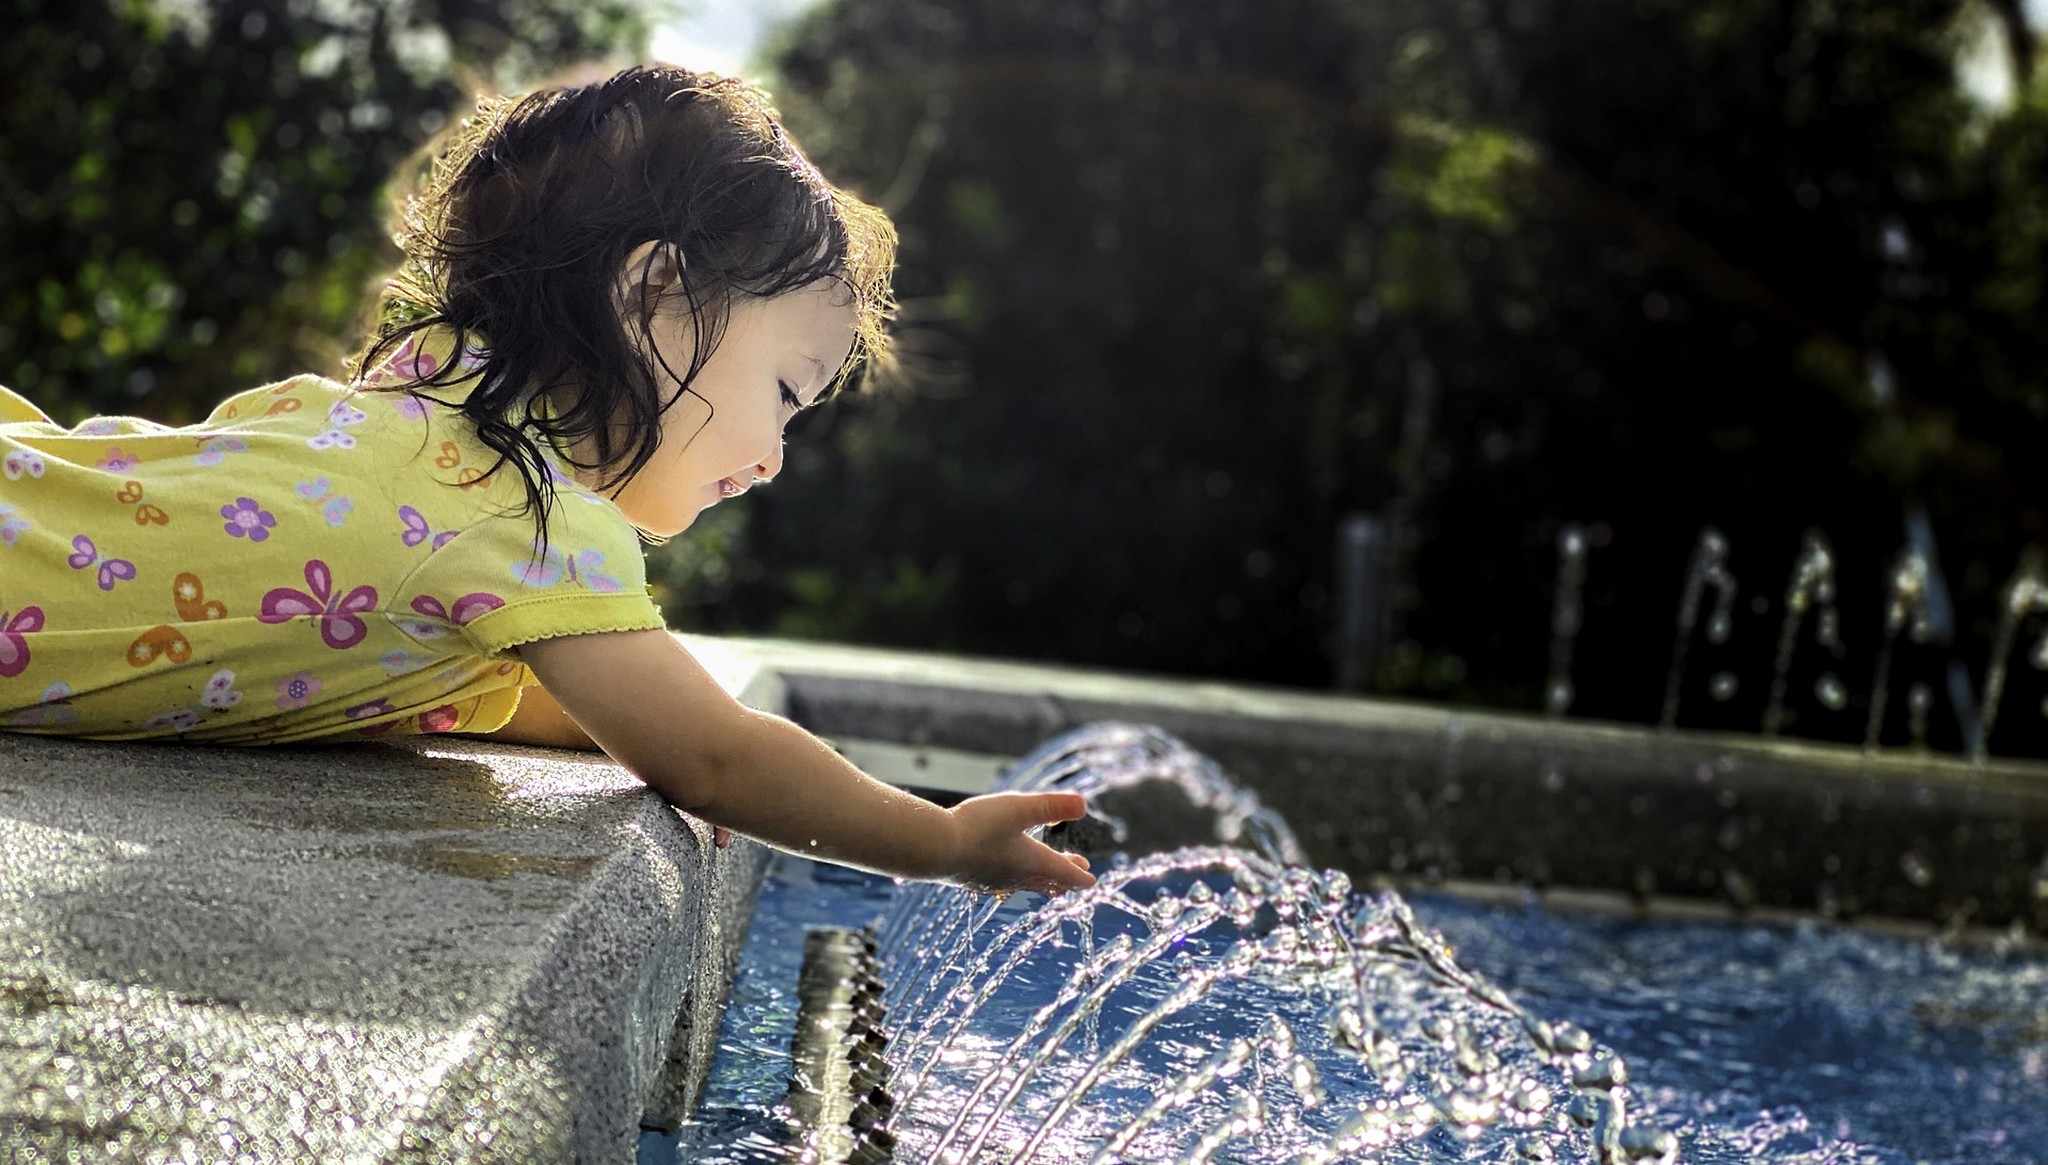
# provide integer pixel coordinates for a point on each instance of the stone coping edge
(1410, 793)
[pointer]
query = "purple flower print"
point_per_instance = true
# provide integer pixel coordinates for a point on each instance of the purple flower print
(410, 406)
(14, 639)
(296, 691)
(118, 461)
(246, 519)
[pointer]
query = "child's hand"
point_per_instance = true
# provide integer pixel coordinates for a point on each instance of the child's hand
(994, 856)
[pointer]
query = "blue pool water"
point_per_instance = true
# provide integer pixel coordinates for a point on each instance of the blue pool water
(1783, 1043)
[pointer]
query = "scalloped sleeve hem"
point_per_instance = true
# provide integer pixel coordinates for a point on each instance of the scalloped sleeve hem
(499, 632)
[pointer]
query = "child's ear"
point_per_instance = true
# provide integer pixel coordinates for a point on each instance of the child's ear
(651, 270)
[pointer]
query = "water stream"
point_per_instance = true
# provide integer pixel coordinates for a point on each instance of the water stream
(1222, 1002)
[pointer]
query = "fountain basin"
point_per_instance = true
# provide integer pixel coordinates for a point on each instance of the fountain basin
(1408, 794)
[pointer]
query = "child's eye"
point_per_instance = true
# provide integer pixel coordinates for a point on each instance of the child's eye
(789, 396)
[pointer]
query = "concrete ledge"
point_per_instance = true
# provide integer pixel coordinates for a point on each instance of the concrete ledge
(453, 951)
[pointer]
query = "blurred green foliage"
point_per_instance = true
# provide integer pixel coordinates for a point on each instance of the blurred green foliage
(1185, 284)
(190, 193)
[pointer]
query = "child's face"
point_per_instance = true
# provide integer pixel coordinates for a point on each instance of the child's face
(776, 357)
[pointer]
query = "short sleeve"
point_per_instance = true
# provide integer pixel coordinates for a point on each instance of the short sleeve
(500, 587)
(15, 409)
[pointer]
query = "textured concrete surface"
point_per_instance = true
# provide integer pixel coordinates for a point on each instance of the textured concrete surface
(1422, 793)
(448, 952)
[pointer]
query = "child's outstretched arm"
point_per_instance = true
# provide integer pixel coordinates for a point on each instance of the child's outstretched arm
(643, 698)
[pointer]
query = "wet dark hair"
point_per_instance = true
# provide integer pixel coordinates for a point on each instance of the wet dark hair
(521, 218)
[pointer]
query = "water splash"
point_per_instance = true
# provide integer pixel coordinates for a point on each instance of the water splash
(1567, 614)
(1709, 569)
(1811, 588)
(1219, 1002)
(1906, 609)
(2028, 595)
(1248, 1009)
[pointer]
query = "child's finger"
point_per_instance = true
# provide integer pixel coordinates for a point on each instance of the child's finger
(721, 836)
(1041, 808)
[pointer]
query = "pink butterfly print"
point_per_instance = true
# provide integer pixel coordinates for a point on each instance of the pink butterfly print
(467, 607)
(412, 363)
(341, 624)
(21, 463)
(112, 570)
(417, 530)
(14, 639)
(556, 567)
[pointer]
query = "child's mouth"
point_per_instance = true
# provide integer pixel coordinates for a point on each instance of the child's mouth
(728, 488)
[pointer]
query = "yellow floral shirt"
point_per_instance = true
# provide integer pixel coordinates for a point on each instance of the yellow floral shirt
(311, 560)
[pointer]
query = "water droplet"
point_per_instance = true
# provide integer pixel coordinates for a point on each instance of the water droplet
(1439, 1029)
(1648, 1143)
(1307, 1083)
(1830, 692)
(1570, 1038)
(1280, 1040)
(1604, 1072)
(1916, 869)
(1718, 628)
(1559, 697)
(1723, 685)
(1529, 1097)
(1347, 1027)
(1166, 909)
(1583, 1110)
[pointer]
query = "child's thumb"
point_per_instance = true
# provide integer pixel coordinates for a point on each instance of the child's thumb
(1049, 807)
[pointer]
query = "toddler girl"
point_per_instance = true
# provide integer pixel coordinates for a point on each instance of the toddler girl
(613, 299)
